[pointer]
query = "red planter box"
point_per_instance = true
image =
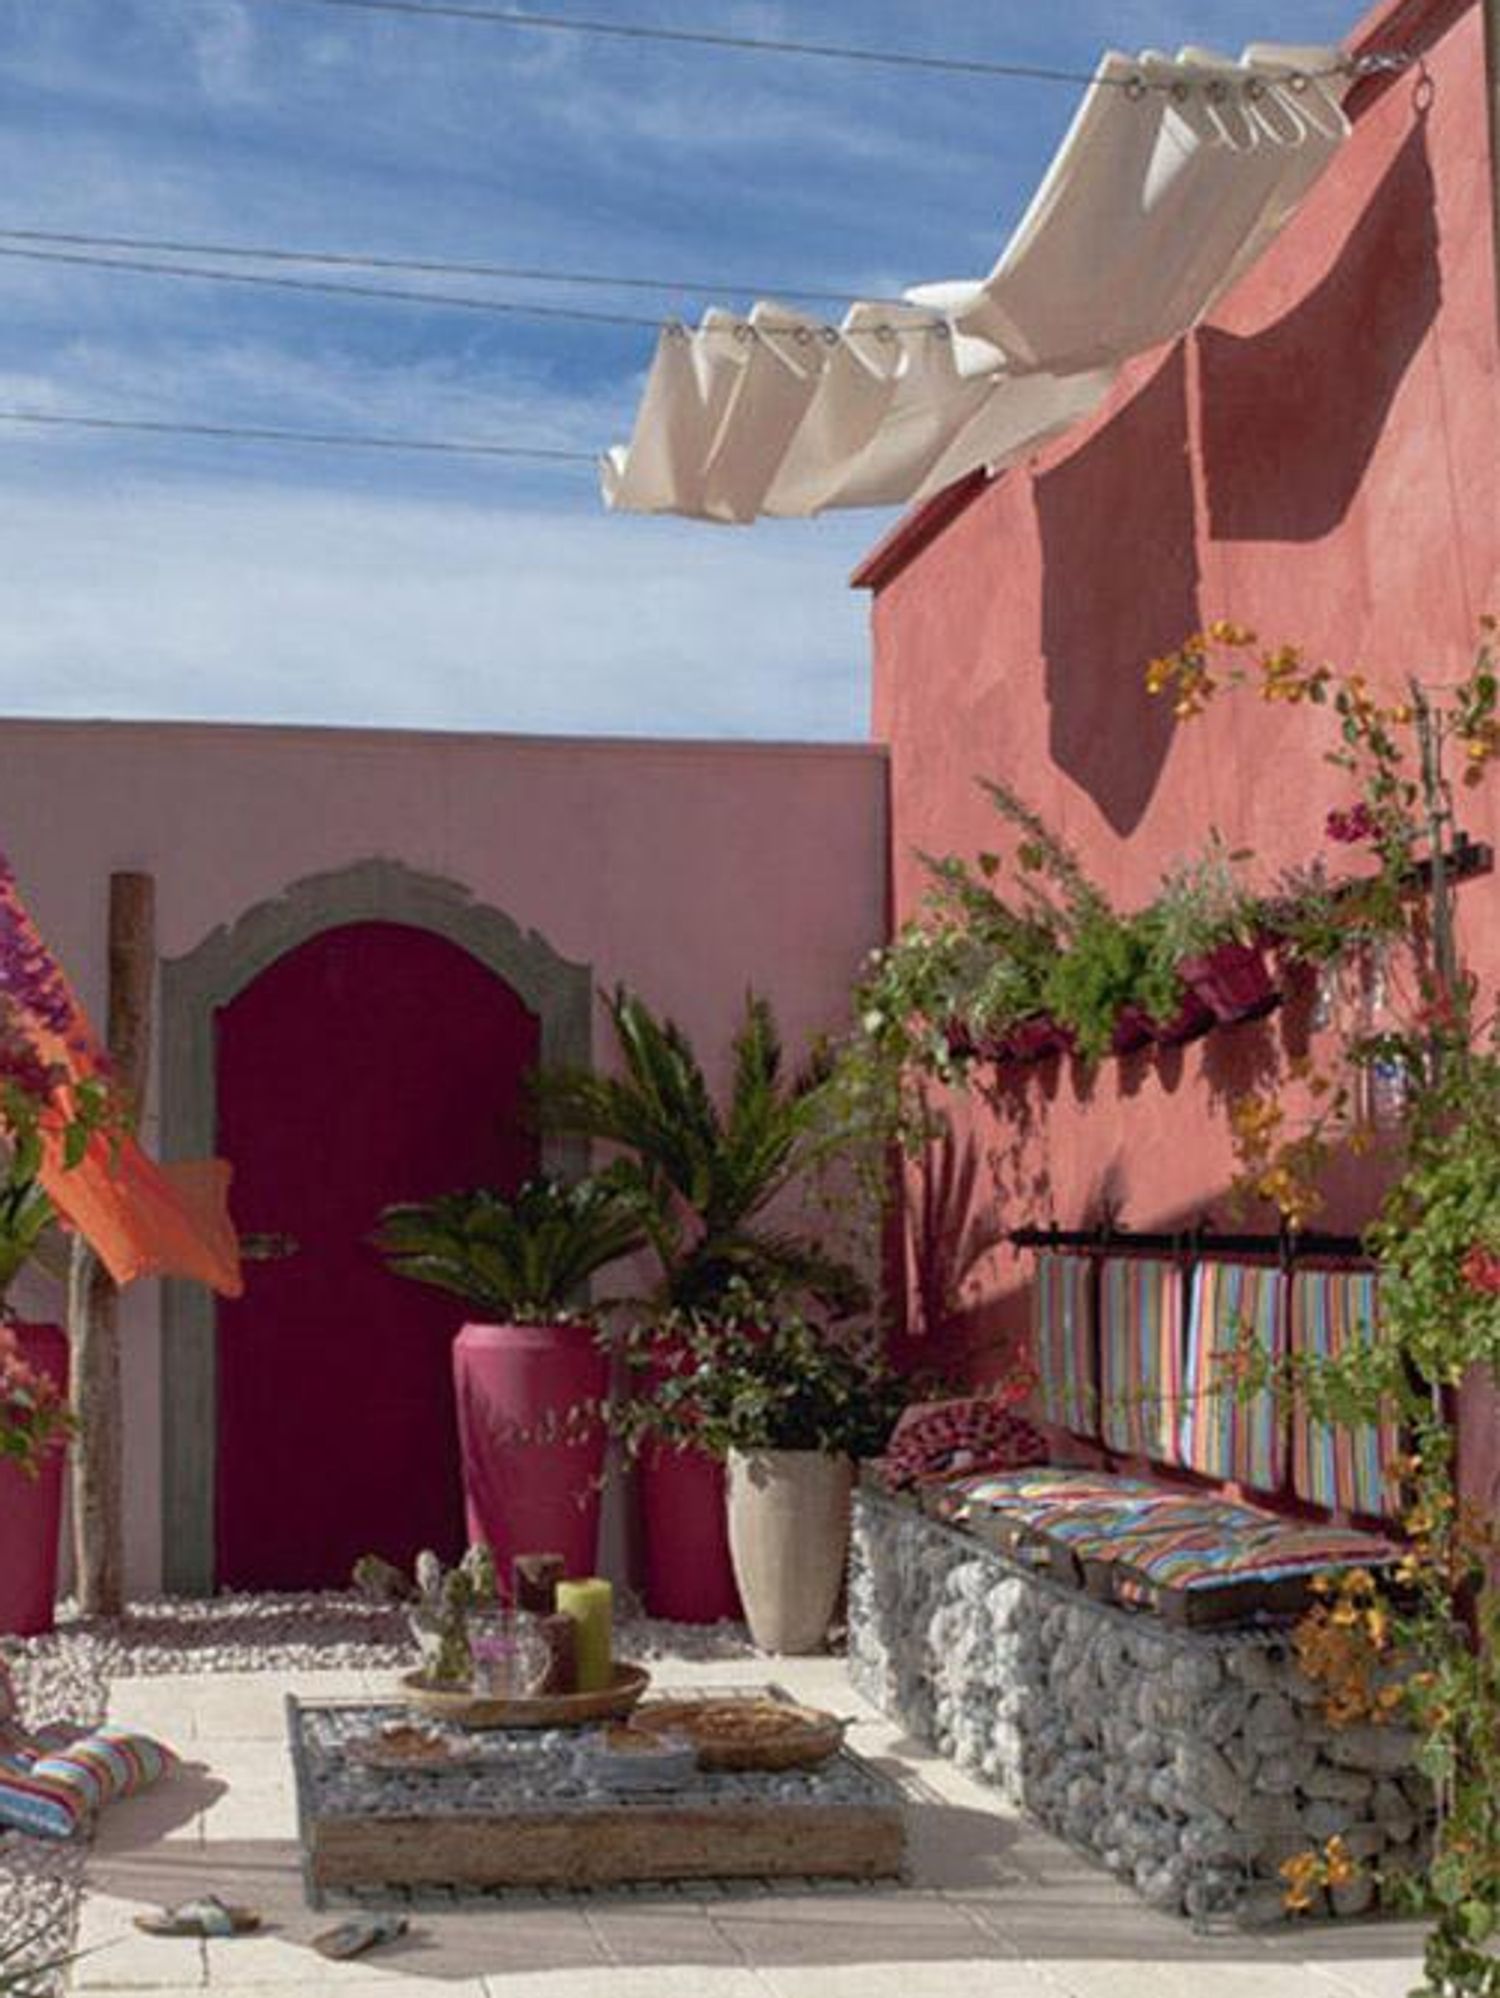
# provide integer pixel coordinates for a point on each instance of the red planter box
(1234, 982)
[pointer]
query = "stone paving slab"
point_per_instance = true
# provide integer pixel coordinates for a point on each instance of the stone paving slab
(996, 1909)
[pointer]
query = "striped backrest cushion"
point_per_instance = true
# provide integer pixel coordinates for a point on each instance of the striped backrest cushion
(1140, 1355)
(57, 1794)
(1227, 1431)
(1338, 1464)
(1063, 1341)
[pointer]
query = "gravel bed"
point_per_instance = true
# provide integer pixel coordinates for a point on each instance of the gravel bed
(66, 1676)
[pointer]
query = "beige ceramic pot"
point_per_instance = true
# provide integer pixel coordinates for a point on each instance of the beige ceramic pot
(788, 1538)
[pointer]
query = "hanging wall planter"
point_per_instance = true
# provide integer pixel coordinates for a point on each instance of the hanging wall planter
(1036, 1039)
(1134, 1029)
(1234, 981)
(1190, 1022)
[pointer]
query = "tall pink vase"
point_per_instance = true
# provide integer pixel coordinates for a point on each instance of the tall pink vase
(31, 1508)
(687, 1570)
(532, 1462)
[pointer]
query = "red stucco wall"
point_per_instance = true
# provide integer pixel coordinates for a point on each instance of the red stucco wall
(1322, 461)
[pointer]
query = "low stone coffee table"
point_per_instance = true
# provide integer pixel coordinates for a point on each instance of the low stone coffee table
(524, 1811)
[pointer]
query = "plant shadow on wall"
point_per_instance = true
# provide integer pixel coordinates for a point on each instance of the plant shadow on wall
(1120, 584)
(1287, 438)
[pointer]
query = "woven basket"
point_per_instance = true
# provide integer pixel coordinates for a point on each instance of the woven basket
(748, 1733)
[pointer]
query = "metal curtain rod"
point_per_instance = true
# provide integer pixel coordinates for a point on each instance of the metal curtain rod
(1195, 1241)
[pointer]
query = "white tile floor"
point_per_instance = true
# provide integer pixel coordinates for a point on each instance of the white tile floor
(996, 1910)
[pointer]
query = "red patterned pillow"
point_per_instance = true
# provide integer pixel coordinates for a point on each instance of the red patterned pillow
(949, 1439)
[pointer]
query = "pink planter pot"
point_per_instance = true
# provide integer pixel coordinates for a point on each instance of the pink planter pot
(687, 1571)
(1036, 1039)
(1234, 982)
(1133, 1030)
(531, 1474)
(31, 1508)
(1190, 1022)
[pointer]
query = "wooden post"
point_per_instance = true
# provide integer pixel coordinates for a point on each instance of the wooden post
(98, 1484)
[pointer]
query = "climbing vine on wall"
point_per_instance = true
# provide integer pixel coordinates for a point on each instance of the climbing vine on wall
(1421, 1083)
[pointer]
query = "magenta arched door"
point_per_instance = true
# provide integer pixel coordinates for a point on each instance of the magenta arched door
(374, 1062)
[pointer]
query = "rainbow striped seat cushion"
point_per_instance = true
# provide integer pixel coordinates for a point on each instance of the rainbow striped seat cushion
(1025, 1496)
(1113, 1529)
(1193, 1560)
(57, 1793)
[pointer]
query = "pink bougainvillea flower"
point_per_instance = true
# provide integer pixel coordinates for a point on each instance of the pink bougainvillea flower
(1481, 1270)
(1350, 827)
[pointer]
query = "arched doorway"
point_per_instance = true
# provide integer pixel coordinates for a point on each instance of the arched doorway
(375, 1062)
(371, 1018)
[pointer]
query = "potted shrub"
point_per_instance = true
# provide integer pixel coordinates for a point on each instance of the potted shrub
(529, 1376)
(704, 1178)
(788, 1406)
(1213, 927)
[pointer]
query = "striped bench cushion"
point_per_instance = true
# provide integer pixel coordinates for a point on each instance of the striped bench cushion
(1064, 1342)
(1201, 1577)
(1141, 1314)
(1228, 1432)
(1331, 1312)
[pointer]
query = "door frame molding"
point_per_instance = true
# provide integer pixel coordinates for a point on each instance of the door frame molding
(193, 988)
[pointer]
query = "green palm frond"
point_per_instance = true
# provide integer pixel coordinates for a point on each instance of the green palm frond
(706, 1174)
(524, 1257)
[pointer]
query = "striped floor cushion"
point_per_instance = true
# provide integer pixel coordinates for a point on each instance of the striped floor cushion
(58, 1793)
(1141, 1324)
(1008, 1510)
(1227, 1431)
(1342, 1466)
(1064, 1342)
(1199, 1577)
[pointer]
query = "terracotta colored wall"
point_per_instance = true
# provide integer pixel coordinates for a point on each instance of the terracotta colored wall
(1319, 462)
(690, 871)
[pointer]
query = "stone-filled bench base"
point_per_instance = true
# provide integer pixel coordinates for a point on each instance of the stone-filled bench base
(1191, 1763)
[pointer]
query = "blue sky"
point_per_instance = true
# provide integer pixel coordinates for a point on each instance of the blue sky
(162, 577)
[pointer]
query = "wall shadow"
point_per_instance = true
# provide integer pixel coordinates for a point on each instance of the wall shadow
(1119, 586)
(1292, 415)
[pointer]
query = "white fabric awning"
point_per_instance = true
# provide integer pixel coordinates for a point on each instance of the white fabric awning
(1173, 178)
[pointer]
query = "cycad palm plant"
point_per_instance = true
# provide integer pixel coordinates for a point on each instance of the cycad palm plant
(524, 1259)
(706, 1176)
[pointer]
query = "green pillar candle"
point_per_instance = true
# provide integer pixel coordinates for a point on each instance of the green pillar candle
(590, 1604)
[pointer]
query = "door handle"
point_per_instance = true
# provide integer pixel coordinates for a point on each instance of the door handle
(268, 1248)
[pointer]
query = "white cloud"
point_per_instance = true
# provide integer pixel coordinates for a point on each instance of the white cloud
(238, 601)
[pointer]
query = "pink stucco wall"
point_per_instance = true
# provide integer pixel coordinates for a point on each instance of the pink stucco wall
(690, 871)
(1319, 462)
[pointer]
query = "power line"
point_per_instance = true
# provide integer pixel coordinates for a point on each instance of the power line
(445, 267)
(701, 38)
(342, 439)
(514, 308)
(506, 17)
(329, 287)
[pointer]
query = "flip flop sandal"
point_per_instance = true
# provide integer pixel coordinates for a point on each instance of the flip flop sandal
(359, 1933)
(208, 1916)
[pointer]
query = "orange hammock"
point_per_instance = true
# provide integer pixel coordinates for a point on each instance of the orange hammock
(139, 1218)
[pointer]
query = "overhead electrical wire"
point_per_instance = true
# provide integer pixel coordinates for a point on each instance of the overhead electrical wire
(279, 253)
(258, 434)
(515, 308)
(631, 31)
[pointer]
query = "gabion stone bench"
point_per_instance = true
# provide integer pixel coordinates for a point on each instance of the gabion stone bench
(1190, 1761)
